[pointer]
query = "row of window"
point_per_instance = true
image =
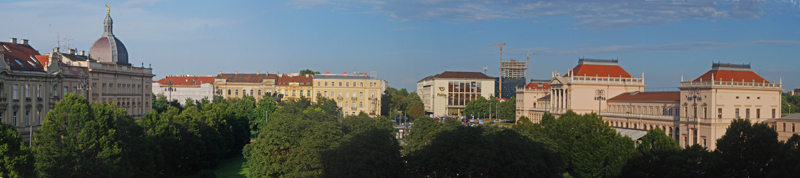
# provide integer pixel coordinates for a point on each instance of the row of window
(666, 129)
(346, 94)
(648, 110)
(121, 88)
(746, 114)
(460, 86)
(347, 84)
(26, 119)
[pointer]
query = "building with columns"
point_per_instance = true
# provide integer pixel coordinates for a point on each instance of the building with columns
(449, 92)
(699, 112)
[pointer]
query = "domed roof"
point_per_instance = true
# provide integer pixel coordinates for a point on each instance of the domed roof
(108, 48)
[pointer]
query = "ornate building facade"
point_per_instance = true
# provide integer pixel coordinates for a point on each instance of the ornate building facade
(294, 86)
(698, 113)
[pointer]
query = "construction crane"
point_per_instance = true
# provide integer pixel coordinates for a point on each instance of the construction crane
(501, 67)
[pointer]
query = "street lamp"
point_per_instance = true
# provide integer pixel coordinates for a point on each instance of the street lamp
(694, 97)
(600, 96)
(170, 89)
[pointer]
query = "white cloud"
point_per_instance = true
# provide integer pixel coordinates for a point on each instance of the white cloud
(595, 14)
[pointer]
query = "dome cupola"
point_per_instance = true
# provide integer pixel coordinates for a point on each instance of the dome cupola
(108, 48)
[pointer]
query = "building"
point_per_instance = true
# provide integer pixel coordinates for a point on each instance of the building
(29, 88)
(354, 93)
(796, 91)
(786, 126)
(449, 92)
(535, 95)
(513, 74)
(111, 79)
(182, 87)
(294, 86)
(699, 112)
(238, 85)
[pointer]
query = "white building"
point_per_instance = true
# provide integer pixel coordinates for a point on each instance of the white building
(449, 92)
(182, 87)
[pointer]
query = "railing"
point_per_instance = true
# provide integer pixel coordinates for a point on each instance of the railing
(353, 108)
(354, 98)
(340, 97)
(751, 84)
(642, 116)
(606, 80)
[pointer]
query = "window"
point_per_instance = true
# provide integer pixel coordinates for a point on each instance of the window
(792, 127)
(362, 84)
(326, 83)
(259, 92)
(308, 92)
(758, 113)
(348, 84)
(318, 84)
(251, 92)
(347, 94)
(39, 91)
(229, 91)
(339, 95)
(27, 91)
(340, 84)
(346, 104)
(16, 96)
(747, 113)
(773, 113)
(294, 92)
(736, 113)
(360, 94)
(361, 104)
(784, 127)
(705, 112)
(15, 118)
(27, 117)
(237, 92)
(719, 112)
(326, 94)
(301, 92)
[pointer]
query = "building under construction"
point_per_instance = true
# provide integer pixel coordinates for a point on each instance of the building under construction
(514, 69)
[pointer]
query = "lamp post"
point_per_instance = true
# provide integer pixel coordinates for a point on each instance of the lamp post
(170, 89)
(600, 96)
(694, 97)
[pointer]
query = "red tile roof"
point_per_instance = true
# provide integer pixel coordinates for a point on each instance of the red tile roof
(21, 57)
(286, 79)
(44, 59)
(591, 70)
(544, 85)
(247, 78)
(186, 80)
(648, 96)
(736, 75)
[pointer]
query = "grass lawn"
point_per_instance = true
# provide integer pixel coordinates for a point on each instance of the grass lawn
(231, 168)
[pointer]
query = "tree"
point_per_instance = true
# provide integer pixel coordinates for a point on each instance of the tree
(651, 156)
(508, 109)
(742, 149)
(79, 140)
(290, 146)
(16, 159)
(368, 149)
(477, 107)
(483, 151)
(591, 147)
(421, 133)
(265, 105)
(308, 72)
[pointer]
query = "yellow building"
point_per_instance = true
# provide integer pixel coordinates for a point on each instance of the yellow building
(294, 86)
(354, 93)
(237, 85)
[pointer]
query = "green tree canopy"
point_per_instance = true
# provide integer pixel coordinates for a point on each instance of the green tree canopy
(16, 160)
(308, 72)
(739, 149)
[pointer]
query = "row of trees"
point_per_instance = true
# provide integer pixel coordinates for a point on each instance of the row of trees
(79, 139)
(493, 108)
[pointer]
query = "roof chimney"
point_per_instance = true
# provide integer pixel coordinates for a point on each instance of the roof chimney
(345, 73)
(70, 51)
(258, 72)
(83, 53)
(365, 74)
(13, 40)
(219, 72)
(307, 75)
(236, 72)
(327, 72)
(24, 41)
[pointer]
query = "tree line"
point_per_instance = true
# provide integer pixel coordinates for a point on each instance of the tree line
(492, 108)
(80, 139)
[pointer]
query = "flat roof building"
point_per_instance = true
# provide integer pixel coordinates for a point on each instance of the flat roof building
(449, 92)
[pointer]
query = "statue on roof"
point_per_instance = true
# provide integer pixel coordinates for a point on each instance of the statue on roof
(108, 9)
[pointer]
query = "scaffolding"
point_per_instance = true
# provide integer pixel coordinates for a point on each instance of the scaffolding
(514, 69)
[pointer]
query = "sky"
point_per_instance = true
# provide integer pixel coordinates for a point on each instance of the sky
(403, 41)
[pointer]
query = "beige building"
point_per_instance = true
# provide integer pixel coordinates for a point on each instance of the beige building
(786, 126)
(294, 86)
(699, 113)
(354, 93)
(535, 95)
(449, 92)
(237, 85)
(29, 88)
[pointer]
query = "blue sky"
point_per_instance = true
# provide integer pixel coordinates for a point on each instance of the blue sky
(406, 40)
